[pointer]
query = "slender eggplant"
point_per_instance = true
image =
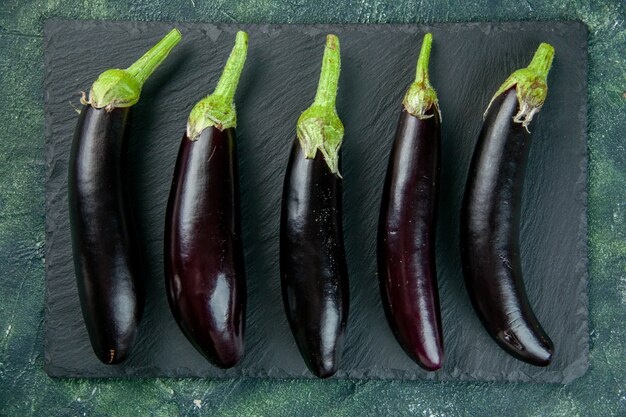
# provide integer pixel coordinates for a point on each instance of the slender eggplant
(490, 214)
(106, 249)
(313, 266)
(407, 226)
(204, 262)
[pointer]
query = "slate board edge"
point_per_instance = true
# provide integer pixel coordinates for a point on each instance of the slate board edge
(558, 378)
(49, 368)
(523, 25)
(583, 181)
(555, 377)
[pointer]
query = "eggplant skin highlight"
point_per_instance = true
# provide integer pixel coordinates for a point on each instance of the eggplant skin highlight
(490, 215)
(406, 242)
(205, 272)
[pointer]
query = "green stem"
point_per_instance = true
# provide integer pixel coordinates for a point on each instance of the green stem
(218, 109)
(146, 65)
(421, 97)
(227, 84)
(421, 72)
(542, 60)
(531, 85)
(329, 76)
(319, 126)
(116, 88)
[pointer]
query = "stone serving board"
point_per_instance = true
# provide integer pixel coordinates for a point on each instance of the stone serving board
(469, 61)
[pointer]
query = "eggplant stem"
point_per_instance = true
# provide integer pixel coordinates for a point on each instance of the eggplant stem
(117, 88)
(531, 85)
(326, 95)
(218, 109)
(227, 84)
(421, 72)
(421, 96)
(146, 65)
(319, 126)
(542, 60)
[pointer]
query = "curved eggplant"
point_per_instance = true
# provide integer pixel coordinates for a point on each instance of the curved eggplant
(106, 248)
(408, 222)
(204, 262)
(314, 272)
(490, 215)
(107, 253)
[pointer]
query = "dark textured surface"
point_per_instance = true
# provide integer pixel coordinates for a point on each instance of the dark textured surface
(468, 63)
(27, 390)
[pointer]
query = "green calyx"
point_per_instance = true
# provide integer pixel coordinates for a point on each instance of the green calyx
(319, 126)
(218, 109)
(531, 85)
(116, 88)
(421, 96)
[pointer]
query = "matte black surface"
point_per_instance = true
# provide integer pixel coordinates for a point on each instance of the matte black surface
(468, 63)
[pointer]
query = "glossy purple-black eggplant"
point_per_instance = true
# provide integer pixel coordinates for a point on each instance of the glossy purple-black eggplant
(106, 250)
(313, 267)
(490, 215)
(408, 221)
(204, 262)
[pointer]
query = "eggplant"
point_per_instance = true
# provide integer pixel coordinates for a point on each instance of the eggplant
(106, 249)
(204, 261)
(314, 273)
(408, 221)
(490, 215)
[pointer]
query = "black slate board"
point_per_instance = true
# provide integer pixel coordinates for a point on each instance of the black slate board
(468, 63)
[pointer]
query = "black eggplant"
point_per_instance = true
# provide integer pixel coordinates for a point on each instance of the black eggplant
(490, 215)
(407, 225)
(107, 253)
(314, 273)
(204, 263)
